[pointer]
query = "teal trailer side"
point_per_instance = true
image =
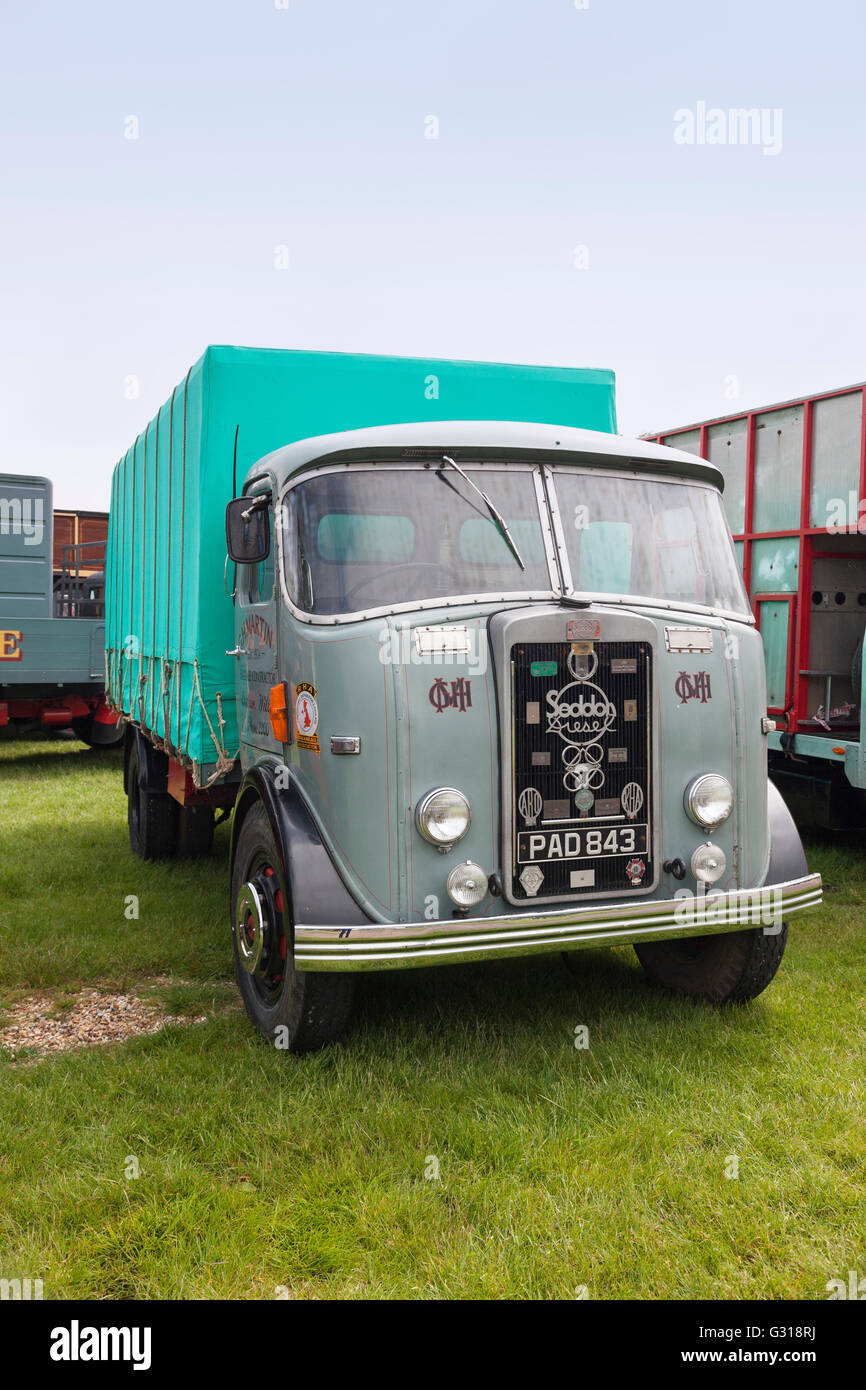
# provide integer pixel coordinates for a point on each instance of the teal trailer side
(170, 617)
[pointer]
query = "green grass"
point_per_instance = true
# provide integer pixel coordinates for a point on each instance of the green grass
(558, 1168)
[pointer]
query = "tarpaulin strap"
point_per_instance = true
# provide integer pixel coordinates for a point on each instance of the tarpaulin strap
(142, 689)
(166, 704)
(224, 762)
(156, 704)
(182, 526)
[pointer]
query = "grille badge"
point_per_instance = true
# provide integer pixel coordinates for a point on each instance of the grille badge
(532, 879)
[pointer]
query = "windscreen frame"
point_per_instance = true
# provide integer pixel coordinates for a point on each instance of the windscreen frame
(488, 598)
(634, 600)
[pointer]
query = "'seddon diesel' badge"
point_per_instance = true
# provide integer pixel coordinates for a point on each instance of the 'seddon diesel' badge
(581, 714)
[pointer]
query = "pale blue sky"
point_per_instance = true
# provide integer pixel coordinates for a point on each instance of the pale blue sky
(305, 127)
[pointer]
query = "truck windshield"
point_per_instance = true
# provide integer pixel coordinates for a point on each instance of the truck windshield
(366, 538)
(645, 536)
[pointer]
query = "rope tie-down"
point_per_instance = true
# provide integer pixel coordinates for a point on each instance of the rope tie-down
(224, 761)
(169, 674)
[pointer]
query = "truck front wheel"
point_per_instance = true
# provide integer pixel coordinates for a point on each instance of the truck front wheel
(726, 969)
(152, 816)
(294, 1011)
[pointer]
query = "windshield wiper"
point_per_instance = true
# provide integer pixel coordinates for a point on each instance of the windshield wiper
(496, 515)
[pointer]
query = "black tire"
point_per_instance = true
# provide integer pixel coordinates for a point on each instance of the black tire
(295, 1011)
(151, 816)
(101, 736)
(730, 968)
(195, 827)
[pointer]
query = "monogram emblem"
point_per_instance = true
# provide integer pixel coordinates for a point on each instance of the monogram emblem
(693, 686)
(450, 694)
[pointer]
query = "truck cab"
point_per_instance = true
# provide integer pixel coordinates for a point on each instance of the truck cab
(500, 692)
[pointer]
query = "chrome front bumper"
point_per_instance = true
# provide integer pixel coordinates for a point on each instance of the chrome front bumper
(396, 946)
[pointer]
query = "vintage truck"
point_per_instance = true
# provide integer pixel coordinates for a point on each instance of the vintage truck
(476, 677)
(52, 615)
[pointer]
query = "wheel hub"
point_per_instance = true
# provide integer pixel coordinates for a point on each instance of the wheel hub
(250, 927)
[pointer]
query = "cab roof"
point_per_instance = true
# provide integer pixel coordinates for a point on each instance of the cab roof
(468, 440)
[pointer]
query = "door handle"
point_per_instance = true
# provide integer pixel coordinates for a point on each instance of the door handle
(237, 651)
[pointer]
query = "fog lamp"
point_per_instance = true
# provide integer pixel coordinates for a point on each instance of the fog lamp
(467, 884)
(708, 863)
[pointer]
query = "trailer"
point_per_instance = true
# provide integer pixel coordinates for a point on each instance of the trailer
(795, 496)
(52, 615)
(439, 642)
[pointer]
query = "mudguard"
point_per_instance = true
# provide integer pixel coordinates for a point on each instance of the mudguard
(316, 891)
(787, 856)
(153, 764)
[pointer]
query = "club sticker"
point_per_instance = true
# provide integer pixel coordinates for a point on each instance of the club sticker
(307, 717)
(635, 868)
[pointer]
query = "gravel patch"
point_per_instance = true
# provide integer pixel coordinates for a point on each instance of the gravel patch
(90, 1018)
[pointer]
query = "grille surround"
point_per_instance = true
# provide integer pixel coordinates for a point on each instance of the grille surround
(598, 691)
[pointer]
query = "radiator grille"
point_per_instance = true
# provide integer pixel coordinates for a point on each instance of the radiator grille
(582, 794)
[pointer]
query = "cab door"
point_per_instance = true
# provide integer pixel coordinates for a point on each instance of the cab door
(256, 647)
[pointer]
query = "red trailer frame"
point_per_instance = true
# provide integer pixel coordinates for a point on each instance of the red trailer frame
(796, 715)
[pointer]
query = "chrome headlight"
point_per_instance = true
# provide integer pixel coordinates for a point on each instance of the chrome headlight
(709, 800)
(443, 817)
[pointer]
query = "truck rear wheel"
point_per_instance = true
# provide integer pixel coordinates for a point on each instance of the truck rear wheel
(295, 1011)
(152, 816)
(730, 968)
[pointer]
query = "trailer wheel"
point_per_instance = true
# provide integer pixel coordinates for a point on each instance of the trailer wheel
(152, 816)
(295, 1011)
(730, 968)
(195, 827)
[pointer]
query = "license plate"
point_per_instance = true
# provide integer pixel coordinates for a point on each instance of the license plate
(598, 842)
